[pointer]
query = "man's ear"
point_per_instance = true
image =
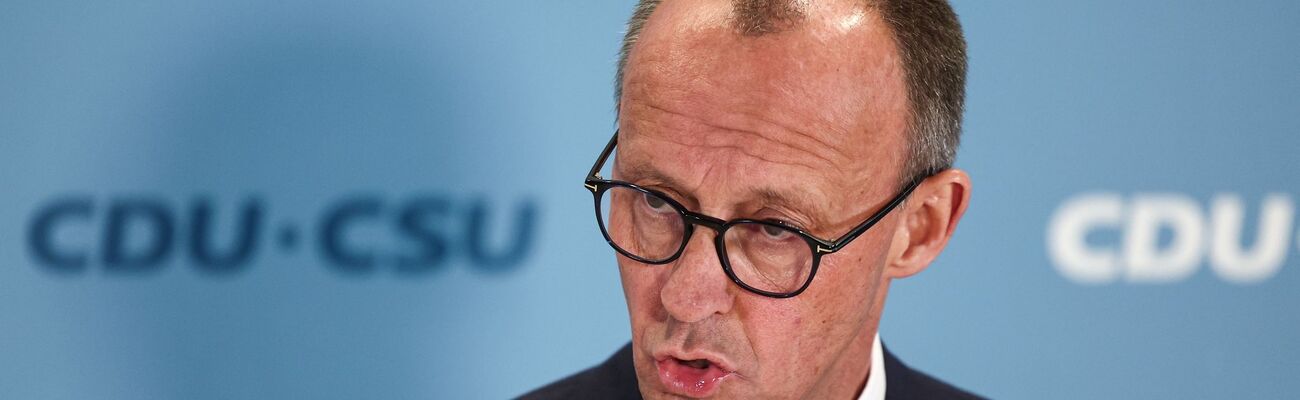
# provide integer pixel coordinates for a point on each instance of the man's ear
(929, 218)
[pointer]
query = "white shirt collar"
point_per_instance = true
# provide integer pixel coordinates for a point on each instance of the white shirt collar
(875, 389)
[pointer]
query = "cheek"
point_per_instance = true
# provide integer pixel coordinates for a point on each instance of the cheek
(772, 326)
(641, 286)
(856, 272)
(778, 330)
(806, 331)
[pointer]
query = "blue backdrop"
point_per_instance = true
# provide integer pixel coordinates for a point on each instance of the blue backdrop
(328, 199)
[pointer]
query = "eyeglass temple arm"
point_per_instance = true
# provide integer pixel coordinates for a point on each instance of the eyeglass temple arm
(604, 155)
(837, 244)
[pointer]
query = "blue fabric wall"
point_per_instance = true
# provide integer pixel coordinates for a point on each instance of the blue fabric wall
(405, 180)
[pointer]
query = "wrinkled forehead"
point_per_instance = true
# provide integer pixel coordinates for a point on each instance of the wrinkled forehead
(828, 76)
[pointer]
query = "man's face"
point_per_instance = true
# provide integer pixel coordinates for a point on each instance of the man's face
(803, 126)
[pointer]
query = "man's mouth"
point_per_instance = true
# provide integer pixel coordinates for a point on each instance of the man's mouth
(698, 377)
(697, 364)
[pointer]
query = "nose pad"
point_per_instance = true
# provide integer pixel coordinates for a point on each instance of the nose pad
(698, 287)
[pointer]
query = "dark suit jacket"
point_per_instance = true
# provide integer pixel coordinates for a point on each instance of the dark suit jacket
(616, 379)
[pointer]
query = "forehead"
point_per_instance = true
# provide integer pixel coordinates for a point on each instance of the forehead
(824, 96)
(837, 63)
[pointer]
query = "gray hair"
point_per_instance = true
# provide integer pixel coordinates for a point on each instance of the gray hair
(929, 40)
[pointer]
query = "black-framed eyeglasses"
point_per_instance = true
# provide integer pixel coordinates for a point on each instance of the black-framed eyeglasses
(766, 257)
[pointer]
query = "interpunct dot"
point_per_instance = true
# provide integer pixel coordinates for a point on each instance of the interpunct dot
(288, 236)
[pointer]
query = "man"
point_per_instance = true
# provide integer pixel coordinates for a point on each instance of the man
(777, 165)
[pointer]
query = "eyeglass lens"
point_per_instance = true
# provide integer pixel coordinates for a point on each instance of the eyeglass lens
(767, 257)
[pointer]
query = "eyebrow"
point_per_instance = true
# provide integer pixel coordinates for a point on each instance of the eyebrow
(801, 205)
(643, 172)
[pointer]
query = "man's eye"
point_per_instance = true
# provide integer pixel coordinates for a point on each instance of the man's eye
(656, 203)
(775, 232)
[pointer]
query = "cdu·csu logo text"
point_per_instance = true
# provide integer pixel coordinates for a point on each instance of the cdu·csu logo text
(355, 234)
(1166, 237)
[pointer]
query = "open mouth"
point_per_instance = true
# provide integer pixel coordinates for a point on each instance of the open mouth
(691, 377)
(697, 364)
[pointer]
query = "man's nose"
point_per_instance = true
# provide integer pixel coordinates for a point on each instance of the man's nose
(698, 287)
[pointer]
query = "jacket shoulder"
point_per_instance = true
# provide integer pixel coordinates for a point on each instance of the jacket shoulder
(613, 379)
(905, 383)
